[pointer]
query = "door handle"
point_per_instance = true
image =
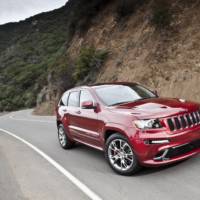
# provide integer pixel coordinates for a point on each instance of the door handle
(78, 112)
(64, 110)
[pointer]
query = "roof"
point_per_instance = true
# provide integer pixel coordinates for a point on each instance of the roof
(112, 83)
(104, 84)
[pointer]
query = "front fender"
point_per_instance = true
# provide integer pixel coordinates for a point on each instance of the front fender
(119, 128)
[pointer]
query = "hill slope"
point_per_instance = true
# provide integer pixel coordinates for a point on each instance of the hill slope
(151, 42)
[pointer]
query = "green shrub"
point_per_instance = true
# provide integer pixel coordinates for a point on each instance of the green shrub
(127, 7)
(88, 61)
(29, 99)
(58, 63)
(81, 17)
(162, 14)
(60, 70)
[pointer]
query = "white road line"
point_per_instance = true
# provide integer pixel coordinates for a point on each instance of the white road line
(31, 120)
(66, 173)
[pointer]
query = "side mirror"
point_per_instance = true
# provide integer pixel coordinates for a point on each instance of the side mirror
(88, 105)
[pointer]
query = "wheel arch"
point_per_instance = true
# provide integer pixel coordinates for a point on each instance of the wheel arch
(112, 129)
(58, 122)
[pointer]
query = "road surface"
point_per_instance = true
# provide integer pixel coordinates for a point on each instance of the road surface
(25, 174)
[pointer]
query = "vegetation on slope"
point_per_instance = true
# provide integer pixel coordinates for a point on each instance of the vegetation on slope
(88, 62)
(32, 49)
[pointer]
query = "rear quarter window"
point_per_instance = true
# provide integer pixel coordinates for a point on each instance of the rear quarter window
(64, 98)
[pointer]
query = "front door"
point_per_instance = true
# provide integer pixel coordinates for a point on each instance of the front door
(83, 123)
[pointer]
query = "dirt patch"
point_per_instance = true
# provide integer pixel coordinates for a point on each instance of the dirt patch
(45, 109)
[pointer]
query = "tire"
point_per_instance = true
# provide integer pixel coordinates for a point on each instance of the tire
(120, 155)
(63, 139)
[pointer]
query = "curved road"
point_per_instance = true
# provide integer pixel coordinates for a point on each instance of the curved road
(29, 176)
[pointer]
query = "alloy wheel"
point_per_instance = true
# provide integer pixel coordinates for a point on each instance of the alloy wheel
(120, 155)
(62, 136)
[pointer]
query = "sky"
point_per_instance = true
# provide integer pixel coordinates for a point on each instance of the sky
(16, 10)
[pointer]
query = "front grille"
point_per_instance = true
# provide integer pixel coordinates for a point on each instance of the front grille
(184, 121)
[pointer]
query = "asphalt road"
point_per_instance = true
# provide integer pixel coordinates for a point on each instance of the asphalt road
(26, 175)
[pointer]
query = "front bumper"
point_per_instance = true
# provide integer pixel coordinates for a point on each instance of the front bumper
(173, 154)
(182, 145)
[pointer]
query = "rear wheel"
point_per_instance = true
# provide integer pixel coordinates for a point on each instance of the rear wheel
(120, 155)
(63, 138)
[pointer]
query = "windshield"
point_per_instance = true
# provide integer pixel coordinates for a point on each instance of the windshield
(118, 94)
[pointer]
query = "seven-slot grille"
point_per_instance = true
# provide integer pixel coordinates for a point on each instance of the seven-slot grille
(184, 121)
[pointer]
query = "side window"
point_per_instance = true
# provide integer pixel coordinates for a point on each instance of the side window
(73, 99)
(85, 96)
(63, 101)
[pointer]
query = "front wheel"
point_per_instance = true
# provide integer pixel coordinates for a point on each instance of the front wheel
(63, 138)
(120, 155)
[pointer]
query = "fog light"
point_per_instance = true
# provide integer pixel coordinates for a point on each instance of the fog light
(157, 142)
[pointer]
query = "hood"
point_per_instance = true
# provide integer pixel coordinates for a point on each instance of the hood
(156, 108)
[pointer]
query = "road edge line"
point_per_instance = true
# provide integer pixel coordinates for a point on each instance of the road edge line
(61, 169)
(30, 120)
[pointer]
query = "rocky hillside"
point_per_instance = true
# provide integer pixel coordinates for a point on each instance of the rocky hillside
(152, 42)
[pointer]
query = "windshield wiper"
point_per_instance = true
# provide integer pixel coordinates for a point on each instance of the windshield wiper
(123, 102)
(145, 98)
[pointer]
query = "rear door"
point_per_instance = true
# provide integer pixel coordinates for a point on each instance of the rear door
(73, 112)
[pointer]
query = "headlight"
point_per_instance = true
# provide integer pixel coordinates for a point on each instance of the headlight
(148, 124)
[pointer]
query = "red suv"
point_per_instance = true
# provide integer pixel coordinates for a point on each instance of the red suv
(131, 124)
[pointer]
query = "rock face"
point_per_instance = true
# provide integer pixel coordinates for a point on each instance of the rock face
(165, 59)
(47, 98)
(155, 43)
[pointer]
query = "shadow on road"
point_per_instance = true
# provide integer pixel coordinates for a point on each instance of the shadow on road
(98, 155)
(151, 170)
(89, 151)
